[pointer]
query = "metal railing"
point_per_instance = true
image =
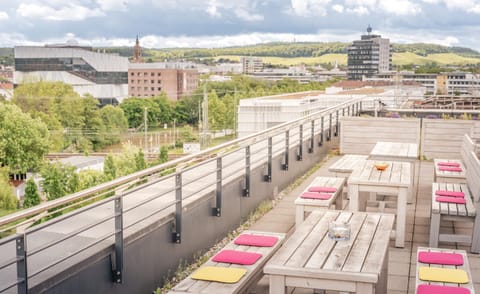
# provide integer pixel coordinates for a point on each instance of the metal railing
(160, 196)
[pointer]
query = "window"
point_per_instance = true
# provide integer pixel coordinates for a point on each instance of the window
(152, 81)
(159, 74)
(159, 88)
(132, 81)
(159, 81)
(145, 73)
(152, 74)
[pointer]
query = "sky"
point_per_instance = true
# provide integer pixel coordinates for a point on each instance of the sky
(222, 23)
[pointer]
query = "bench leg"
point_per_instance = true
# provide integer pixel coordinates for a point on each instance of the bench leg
(401, 217)
(299, 214)
(339, 200)
(277, 284)
(434, 229)
(476, 235)
(354, 195)
(365, 288)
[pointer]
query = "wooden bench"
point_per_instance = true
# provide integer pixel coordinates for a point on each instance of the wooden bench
(449, 176)
(254, 271)
(345, 165)
(303, 205)
(464, 267)
(458, 212)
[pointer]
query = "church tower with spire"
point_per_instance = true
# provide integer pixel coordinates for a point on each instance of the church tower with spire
(137, 52)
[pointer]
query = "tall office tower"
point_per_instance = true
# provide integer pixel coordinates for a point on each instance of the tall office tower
(369, 56)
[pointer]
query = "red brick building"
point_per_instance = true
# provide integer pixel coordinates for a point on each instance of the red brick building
(151, 79)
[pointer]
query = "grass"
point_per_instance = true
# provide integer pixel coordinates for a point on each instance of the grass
(397, 59)
(4, 212)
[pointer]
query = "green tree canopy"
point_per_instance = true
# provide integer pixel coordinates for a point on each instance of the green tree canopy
(23, 140)
(8, 200)
(31, 197)
(58, 180)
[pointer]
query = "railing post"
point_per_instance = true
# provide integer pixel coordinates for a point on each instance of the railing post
(287, 149)
(268, 176)
(322, 127)
(329, 136)
(361, 107)
(343, 111)
(177, 230)
(312, 137)
(246, 191)
(118, 266)
(217, 210)
(21, 252)
(300, 143)
(336, 124)
(348, 110)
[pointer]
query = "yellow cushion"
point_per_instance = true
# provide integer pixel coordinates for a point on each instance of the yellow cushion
(446, 275)
(219, 274)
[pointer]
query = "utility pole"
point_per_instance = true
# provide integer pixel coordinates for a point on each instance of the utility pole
(235, 115)
(174, 133)
(145, 128)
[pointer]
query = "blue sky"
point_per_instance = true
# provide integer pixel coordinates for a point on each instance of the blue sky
(218, 23)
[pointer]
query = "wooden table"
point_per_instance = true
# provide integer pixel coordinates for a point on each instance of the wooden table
(310, 259)
(394, 180)
(396, 151)
(345, 165)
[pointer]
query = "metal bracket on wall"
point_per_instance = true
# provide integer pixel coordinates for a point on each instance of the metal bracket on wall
(312, 137)
(322, 127)
(336, 124)
(300, 143)
(268, 176)
(287, 150)
(177, 227)
(22, 277)
(246, 190)
(118, 267)
(329, 134)
(217, 210)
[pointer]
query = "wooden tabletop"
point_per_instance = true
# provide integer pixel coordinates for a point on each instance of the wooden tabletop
(310, 253)
(395, 150)
(396, 174)
(347, 163)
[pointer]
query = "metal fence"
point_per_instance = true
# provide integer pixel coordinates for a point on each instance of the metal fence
(147, 195)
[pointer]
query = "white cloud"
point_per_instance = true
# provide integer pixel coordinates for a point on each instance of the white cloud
(359, 10)
(431, 1)
(338, 8)
(475, 9)
(361, 3)
(70, 12)
(309, 7)
(212, 9)
(248, 16)
(3, 15)
(400, 7)
(107, 5)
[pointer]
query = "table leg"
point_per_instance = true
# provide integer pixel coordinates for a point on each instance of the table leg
(354, 197)
(411, 192)
(401, 217)
(277, 284)
(299, 214)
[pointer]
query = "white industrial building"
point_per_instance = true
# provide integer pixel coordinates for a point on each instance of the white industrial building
(104, 76)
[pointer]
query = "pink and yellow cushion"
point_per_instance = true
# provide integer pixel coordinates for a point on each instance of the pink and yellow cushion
(256, 240)
(237, 257)
(436, 289)
(445, 163)
(445, 275)
(440, 258)
(314, 195)
(449, 193)
(447, 199)
(450, 168)
(220, 274)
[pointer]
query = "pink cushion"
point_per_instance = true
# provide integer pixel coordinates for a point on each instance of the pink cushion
(256, 240)
(456, 164)
(449, 193)
(237, 257)
(435, 289)
(448, 199)
(322, 189)
(450, 168)
(440, 258)
(313, 195)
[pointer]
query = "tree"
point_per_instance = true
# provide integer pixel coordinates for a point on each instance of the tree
(93, 126)
(109, 168)
(140, 160)
(115, 123)
(163, 156)
(89, 178)
(32, 197)
(23, 140)
(8, 200)
(58, 180)
(216, 112)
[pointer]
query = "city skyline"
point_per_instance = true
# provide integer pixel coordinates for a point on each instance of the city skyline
(222, 23)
